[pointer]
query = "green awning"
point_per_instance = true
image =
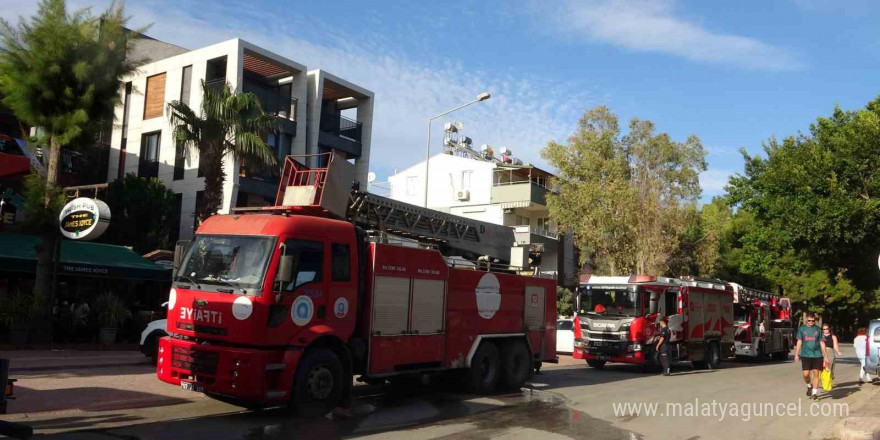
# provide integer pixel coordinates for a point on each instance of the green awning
(18, 253)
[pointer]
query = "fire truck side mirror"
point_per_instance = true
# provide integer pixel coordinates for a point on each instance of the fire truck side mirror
(285, 269)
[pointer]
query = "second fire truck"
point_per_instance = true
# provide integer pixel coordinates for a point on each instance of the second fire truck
(617, 319)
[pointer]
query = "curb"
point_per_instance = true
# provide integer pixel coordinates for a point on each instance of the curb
(858, 428)
(20, 370)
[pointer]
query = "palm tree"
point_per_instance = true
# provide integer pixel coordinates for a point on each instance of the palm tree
(230, 123)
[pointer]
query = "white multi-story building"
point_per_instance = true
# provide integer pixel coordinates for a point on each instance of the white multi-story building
(494, 192)
(317, 112)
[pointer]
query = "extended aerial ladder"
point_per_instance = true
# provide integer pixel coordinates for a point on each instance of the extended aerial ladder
(329, 189)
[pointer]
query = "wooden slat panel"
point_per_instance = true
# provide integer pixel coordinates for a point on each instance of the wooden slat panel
(154, 99)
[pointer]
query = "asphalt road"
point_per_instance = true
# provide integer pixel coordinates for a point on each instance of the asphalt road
(568, 400)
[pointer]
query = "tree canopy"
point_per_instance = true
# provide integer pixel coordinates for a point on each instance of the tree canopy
(229, 124)
(626, 197)
(143, 213)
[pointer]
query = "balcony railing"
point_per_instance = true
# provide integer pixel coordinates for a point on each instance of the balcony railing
(216, 83)
(537, 231)
(519, 193)
(342, 126)
(148, 169)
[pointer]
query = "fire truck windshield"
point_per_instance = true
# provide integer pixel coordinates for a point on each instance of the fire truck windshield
(222, 261)
(609, 301)
(740, 314)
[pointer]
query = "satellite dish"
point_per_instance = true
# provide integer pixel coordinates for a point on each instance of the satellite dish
(484, 147)
(458, 125)
(504, 151)
(371, 177)
(450, 127)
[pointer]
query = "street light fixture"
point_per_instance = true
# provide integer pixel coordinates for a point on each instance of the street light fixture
(481, 97)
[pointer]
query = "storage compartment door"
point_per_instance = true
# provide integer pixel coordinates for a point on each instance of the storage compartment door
(390, 306)
(534, 308)
(428, 305)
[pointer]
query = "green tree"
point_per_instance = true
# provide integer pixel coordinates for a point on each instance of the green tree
(229, 124)
(61, 72)
(814, 199)
(142, 212)
(625, 197)
(564, 301)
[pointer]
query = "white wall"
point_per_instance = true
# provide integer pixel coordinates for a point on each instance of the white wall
(445, 181)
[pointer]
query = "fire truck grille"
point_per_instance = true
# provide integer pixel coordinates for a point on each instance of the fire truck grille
(196, 361)
(606, 336)
(606, 347)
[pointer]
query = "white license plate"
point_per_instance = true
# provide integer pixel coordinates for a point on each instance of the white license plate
(189, 386)
(602, 357)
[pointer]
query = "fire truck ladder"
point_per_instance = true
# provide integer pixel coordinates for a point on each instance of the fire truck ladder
(327, 188)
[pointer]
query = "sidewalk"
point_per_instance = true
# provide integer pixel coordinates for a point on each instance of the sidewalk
(864, 422)
(22, 361)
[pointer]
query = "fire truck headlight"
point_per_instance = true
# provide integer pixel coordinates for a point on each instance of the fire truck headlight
(172, 298)
(237, 363)
(637, 347)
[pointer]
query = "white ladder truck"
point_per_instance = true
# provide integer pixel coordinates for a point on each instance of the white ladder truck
(763, 324)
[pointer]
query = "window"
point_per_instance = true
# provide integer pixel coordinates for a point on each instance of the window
(126, 105)
(154, 98)
(412, 185)
(544, 223)
(149, 164)
(341, 263)
(186, 84)
(308, 260)
(466, 180)
(671, 297)
(522, 221)
(236, 261)
(179, 159)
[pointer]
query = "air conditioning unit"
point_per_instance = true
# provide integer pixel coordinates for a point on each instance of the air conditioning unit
(463, 195)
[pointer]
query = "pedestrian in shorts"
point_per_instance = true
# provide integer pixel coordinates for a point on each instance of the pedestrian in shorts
(810, 351)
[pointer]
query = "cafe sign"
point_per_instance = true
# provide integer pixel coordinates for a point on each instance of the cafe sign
(84, 219)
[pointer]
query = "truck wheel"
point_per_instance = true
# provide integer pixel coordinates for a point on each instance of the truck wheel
(762, 352)
(483, 375)
(596, 364)
(782, 355)
(317, 387)
(713, 360)
(516, 365)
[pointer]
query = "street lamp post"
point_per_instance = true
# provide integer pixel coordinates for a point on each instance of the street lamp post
(481, 97)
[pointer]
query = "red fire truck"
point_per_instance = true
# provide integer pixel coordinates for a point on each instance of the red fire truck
(286, 304)
(763, 323)
(618, 318)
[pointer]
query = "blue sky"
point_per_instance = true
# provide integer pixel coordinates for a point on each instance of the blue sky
(733, 73)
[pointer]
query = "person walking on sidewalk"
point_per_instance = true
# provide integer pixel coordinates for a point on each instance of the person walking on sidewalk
(662, 347)
(810, 351)
(860, 345)
(832, 347)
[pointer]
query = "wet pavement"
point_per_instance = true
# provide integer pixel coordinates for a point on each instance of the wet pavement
(389, 415)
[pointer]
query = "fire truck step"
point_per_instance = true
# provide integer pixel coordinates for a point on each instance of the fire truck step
(274, 367)
(275, 394)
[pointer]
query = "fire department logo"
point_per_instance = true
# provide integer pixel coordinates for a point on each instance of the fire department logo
(488, 293)
(340, 309)
(301, 310)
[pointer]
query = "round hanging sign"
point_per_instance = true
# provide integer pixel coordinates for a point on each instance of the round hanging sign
(84, 219)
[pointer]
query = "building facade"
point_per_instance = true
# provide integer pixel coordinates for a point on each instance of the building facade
(495, 192)
(316, 112)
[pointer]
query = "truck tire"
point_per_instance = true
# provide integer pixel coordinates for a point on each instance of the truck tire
(782, 355)
(516, 365)
(485, 369)
(762, 352)
(318, 385)
(713, 357)
(596, 364)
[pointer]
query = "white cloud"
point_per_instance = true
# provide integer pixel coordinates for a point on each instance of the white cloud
(713, 182)
(653, 26)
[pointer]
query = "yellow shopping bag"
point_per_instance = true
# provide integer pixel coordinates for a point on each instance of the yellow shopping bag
(827, 383)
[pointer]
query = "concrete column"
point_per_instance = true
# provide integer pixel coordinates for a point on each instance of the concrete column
(300, 90)
(365, 117)
(234, 76)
